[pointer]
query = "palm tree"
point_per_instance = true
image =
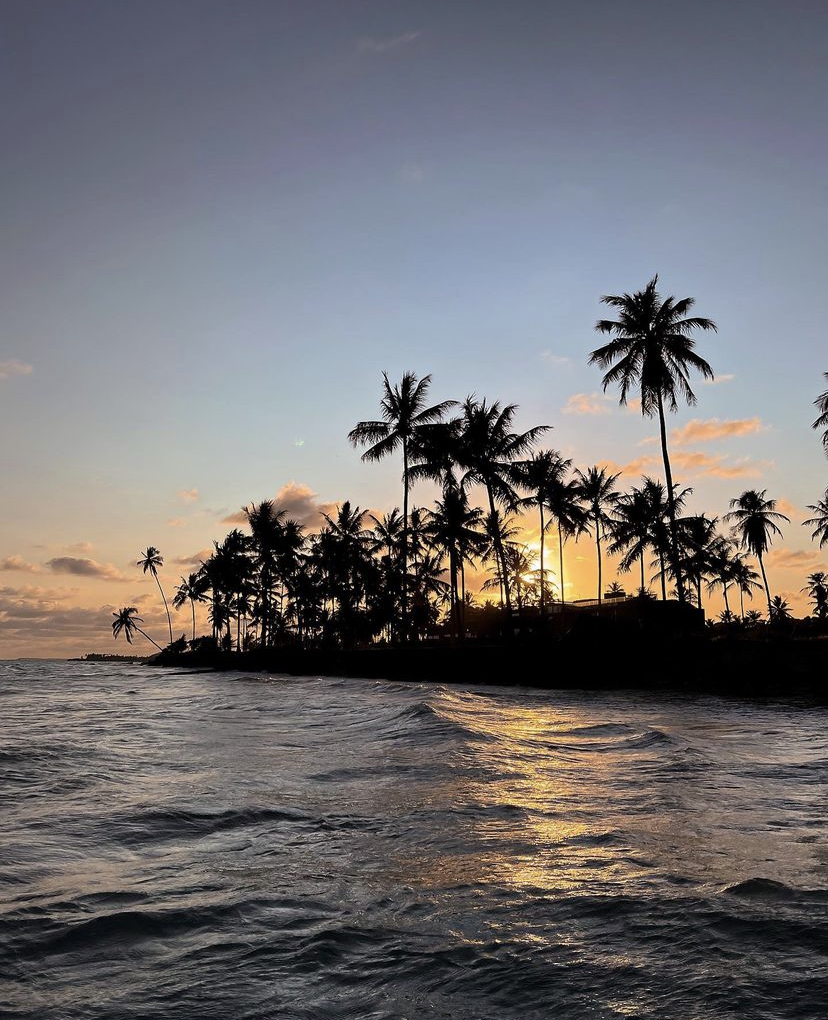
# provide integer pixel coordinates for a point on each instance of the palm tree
(537, 475)
(754, 519)
(746, 580)
(653, 348)
(817, 589)
(126, 621)
(821, 404)
(194, 589)
(404, 415)
(487, 451)
(563, 500)
(151, 560)
(820, 521)
(780, 610)
(598, 495)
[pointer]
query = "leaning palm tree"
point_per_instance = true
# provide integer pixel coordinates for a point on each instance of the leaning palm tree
(653, 349)
(819, 522)
(821, 403)
(192, 589)
(404, 415)
(151, 560)
(754, 519)
(598, 495)
(563, 500)
(126, 622)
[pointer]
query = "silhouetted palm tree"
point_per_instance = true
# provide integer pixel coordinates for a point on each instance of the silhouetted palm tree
(151, 560)
(820, 521)
(780, 610)
(598, 495)
(404, 414)
(487, 451)
(821, 404)
(563, 500)
(536, 475)
(746, 580)
(817, 589)
(754, 519)
(653, 349)
(126, 621)
(455, 526)
(192, 589)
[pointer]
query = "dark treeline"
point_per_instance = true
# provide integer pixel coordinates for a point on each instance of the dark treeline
(401, 577)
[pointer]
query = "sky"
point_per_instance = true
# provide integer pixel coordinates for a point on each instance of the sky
(222, 221)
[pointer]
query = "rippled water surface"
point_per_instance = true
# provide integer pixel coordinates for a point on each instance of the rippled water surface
(226, 846)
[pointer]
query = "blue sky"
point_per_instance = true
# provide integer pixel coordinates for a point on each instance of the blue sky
(222, 221)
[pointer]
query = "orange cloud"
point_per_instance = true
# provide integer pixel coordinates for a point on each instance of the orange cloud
(188, 495)
(299, 503)
(698, 431)
(715, 466)
(723, 378)
(14, 367)
(792, 559)
(787, 508)
(194, 560)
(633, 468)
(17, 563)
(586, 403)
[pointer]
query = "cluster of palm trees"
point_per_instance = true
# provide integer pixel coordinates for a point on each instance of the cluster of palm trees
(360, 578)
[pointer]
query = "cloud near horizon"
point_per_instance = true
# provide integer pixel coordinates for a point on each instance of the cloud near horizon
(586, 403)
(792, 559)
(699, 431)
(14, 367)
(80, 567)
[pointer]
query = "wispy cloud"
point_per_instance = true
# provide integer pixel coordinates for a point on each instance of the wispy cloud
(790, 559)
(372, 44)
(633, 468)
(699, 431)
(17, 563)
(555, 359)
(193, 560)
(787, 508)
(14, 367)
(175, 522)
(187, 495)
(586, 403)
(697, 462)
(719, 379)
(84, 568)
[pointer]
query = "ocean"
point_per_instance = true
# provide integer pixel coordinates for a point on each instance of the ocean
(197, 845)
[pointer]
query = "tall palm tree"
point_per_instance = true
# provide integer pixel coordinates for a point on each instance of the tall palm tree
(265, 523)
(631, 529)
(599, 495)
(653, 349)
(819, 522)
(151, 560)
(126, 621)
(754, 519)
(487, 451)
(404, 415)
(821, 404)
(193, 589)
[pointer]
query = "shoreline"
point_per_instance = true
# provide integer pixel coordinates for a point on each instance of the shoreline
(767, 667)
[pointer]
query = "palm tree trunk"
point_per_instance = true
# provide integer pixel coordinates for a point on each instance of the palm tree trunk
(767, 589)
(541, 560)
(642, 569)
(663, 573)
(598, 544)
(671, 502)
(404, 579)
(164, 597)
(160, 649)
(192, 603)
(560, 559)
(727, 604)
(742, 603)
